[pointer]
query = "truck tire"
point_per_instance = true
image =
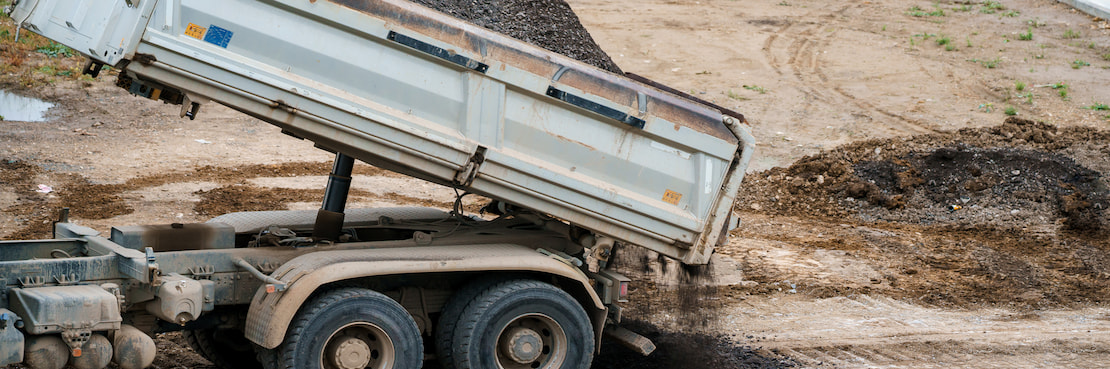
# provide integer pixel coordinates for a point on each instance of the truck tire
(449, 317)
(268, 357)
(352, 328)
(225, 348)
(521, 324)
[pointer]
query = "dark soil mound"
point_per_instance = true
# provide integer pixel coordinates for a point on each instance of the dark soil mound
(1019, 174)
(550, 24)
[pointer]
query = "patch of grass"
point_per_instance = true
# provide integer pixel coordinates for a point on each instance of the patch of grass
(991, 7)
(1019, 85)
(54, 50)
(1011, 111)
(1027, 36)
(989, 64)
(965, 8)
(916, 11)
(16, 59)
(1071, 33)
(949, 47)
(1011, 14)
(1061, 89)
(735, 96)
(1079, 64)
(86, 80)
(755, 88)
(1035, 23)
(968, 41)
(1028, 97)
(50, 70)
(944, 41)
(1106, 56)
(986, 108)
(1098, 107)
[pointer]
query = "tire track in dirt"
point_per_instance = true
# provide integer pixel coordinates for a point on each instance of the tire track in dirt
(879, 332)
(804, 63)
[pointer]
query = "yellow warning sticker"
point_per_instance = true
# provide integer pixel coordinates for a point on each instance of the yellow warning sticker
(195, 31)
(671, 197)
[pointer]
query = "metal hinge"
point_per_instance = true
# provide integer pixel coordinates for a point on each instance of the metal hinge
(465, 176)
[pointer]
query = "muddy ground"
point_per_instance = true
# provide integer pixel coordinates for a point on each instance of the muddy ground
(895, 215)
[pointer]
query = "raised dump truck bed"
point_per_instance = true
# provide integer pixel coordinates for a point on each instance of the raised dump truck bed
(575, 157)
(418, 92)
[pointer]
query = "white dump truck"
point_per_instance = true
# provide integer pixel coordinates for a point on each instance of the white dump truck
(579, 163)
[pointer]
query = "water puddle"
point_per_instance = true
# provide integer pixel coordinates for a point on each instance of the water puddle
(22, 108)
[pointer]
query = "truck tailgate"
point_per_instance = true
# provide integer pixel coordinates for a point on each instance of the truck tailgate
(418, 92)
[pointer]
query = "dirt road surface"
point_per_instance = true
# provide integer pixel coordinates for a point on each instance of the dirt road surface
(849, 255)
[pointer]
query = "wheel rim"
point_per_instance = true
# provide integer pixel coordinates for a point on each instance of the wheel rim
(356, 346)
(531, 341)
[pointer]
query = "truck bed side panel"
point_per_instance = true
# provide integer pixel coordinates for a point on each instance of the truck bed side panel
(418, 92)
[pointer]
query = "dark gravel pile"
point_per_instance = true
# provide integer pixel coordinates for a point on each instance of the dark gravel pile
(1018, 174)
(550, 24)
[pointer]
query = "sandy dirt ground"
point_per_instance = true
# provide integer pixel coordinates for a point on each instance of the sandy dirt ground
(849, 255)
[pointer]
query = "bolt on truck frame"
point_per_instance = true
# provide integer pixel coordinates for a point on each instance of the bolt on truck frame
(578, 161)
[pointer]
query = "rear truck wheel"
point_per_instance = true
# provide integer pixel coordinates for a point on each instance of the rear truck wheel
(226, 348)
(449, 318)
(352, 328)
(523, 324)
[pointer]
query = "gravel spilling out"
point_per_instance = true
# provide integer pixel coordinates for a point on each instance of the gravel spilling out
(550, 24)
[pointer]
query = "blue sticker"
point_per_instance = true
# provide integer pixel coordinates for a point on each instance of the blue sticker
(218, 36)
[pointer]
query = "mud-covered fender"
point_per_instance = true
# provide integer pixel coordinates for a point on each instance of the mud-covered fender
(270, 313)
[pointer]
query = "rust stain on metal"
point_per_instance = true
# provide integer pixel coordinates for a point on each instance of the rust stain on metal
(561, 138)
